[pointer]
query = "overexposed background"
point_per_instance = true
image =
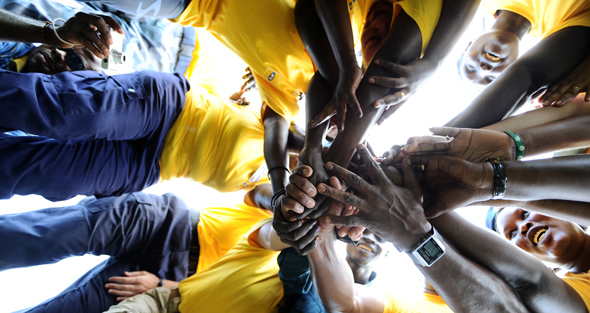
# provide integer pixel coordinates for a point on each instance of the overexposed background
(438, 100)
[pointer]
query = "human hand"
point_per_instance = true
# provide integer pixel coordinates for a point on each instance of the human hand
(568, 88)
(473, 145)
(131, 284)
(300, 234)
(407, 79)
(249, 81)
(318, 174)
(389, 110)
(344, 95)
(394, 213)
(452, 182)
(90, 30)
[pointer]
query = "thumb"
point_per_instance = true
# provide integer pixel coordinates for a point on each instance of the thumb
(410, 178)
(325, 115)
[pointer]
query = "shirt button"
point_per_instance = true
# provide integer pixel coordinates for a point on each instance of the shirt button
(131, 90)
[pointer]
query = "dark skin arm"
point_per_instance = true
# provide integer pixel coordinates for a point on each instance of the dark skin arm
(539, 289)
(546, 63)
(395, 214)
(260, 197)
(76, 30)
(276, 152)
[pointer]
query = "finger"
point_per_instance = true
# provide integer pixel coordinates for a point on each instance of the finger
(112, 24)
(567, 96)
(94, 44)
(387, 113)
(300, 232)
(391, 154)
(424, 144)
(341, 196)
(355, 233)
(121, 287)
(282, 226)
(391, 100)
(353, 220)
(102, 28)
(296, 194)
(325, 115)
(389, 82)
(321, 208)
(291, 205)
(373, 168)
(135, 273)
(400, 70)
(121, 293)
(555, 92)
(410, 179)
(350, 178)
(299, 179)
(341, 117)
(122, 279)
(309, 247)
(445, 131)
(354, 104)
(549, 96)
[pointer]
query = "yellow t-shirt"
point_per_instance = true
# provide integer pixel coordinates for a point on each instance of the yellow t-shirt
(220, 229)
(422, 303)
(245, 279)
(581, 283)
(214, 142)
(546, 16)
(424, 13)
(263, 34)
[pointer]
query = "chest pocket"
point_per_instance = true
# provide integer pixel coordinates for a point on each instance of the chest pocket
(86, 93)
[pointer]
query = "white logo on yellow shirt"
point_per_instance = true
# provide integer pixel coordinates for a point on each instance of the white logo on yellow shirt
(272, 76)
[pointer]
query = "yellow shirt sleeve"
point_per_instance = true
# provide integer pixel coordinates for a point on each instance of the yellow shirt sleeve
(581, 283)
(244, 280)
(546, 16)
(421, 303)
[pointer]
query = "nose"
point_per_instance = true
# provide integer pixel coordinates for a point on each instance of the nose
(485, 66)
(524, 227)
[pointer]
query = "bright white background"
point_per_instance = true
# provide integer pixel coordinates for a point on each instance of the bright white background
(437, 101)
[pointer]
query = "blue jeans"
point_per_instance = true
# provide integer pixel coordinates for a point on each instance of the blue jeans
(139, 231)
(97, 134)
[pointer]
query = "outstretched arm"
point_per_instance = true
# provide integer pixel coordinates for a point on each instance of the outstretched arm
(547, 62)
(83, 29)
(536, 285)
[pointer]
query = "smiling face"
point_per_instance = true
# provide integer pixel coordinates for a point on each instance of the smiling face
(547, 238)
(368, 251)
(376, 29)
(48, 60)
(489, 55)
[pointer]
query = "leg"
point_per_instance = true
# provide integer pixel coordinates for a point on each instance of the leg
(152, 231)
(60, 170)
(150, 8)
(89, 105)
(88, 294)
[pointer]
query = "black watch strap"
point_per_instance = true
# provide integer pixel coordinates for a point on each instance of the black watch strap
(499, 178)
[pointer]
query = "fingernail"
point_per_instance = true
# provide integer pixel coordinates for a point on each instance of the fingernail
(321, 187)
(558, 102)
(292, 219)
(360, 146)
(377, 104)
(316, 239)
(306, 172)
(377, 61)
(329, 166)
(314, 222)
(328, 220)
(372, 80)
(317, 229)
(310, 204)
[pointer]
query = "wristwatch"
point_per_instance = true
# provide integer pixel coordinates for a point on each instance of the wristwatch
(429, 250)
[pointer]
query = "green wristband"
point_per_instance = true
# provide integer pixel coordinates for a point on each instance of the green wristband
(519, 144)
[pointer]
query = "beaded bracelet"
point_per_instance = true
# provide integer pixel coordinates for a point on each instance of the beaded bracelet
(47, 23)
(518, 142)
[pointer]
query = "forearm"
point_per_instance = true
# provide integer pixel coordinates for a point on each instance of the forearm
(455, 276)
(170, 284)
(260, 197)
(332, 277)
(455, 16)
(317, 97)
(21, 29)
(336, 21)
(577, 212)
(276, 151)
(542, 116)
(538, 288)
(570, 133)
(563, 178)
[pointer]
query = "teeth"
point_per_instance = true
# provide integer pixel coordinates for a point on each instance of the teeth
(492, 58)
(365, 247)
(539, 235)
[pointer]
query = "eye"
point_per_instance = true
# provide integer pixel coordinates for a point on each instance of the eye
(511, 234)
(524, 214)
(469, 69)
(489, 80)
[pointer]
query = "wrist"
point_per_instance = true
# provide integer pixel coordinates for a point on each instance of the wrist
(498, 178)
(516, 146)
(414, 237)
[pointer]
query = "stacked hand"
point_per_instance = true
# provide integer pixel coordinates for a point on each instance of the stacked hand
(90, 30)
(452, 183)
(344, 95)
(394, 213)
(474, 145)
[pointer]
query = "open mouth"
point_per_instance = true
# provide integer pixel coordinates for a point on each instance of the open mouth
(539, 235)
(365, 247)
(492, 57)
